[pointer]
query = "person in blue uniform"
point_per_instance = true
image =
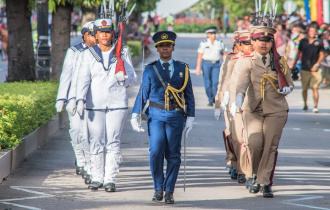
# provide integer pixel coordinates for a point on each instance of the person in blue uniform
(167, 85)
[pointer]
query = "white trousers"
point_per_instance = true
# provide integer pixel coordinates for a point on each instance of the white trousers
(85, 141)
(104, 130)
(75, 134)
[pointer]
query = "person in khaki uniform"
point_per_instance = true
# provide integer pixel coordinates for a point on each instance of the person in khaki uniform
(236, 124)
(265, 109)
(220, 103)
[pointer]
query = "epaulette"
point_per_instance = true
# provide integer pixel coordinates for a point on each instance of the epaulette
(182, 62)
(234, 58)
(232, 53)
(151, 63)
(74, 49)
(248, 55)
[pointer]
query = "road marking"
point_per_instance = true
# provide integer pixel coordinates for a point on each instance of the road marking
(326, 130)
(292, 202)
(25, 189)
(296, 129)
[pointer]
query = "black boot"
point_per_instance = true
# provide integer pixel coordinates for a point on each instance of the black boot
(110, 187)
(84, 174)
(79, 170)
(158, 196)
(267, 191)
(169, 198)
(230, 170)
(95, 186)
(241, 178)
(88, 179)
(254, 187)
(234, 174)
(248, 182)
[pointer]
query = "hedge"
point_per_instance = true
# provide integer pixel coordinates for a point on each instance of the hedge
(135, 47)
(24, 107)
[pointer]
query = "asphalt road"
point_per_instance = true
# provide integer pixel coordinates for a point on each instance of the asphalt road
(47, 178)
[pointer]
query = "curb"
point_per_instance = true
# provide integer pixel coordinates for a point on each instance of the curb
(12, 158)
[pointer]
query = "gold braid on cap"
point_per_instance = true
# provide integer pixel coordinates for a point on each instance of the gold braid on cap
(272, 79)
(175, 92)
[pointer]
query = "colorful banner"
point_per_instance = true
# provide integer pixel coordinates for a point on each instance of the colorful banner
(308, 18)
(326, 17)
(313, 10)
(319, 13)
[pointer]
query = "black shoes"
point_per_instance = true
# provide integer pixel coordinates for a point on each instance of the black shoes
(158, 196)
(248, 182)
(241, 178)
(254, 187)
(88, 179)
(305, 108)
(95, 186)
(169, 198)
(234, 174)
(267, 191)
(79, 170)
(230, 170)
(210, 104)
(110, 187)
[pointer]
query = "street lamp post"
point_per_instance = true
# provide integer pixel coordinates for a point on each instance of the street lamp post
(42, 55)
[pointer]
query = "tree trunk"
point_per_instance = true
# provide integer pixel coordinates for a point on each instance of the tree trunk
(21, 64)
(60, 37)
(88, 14)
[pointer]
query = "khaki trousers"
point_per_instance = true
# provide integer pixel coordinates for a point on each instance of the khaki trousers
(236, 131)
(263, 135)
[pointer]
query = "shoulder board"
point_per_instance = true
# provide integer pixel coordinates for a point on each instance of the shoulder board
(250, 55)
(182, 62)
(151, 63)
(234, 58)
(232, 53)
(74, 49)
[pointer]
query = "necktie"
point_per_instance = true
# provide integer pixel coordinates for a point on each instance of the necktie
(264, 59)
(167, 71)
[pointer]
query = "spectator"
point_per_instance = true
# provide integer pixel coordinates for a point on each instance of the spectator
(74, 23)
(220, 24)
(170, 22)
(312, 51)
(4, 40)
(156, 21)
(280, 40)
(145, 34)
(133, 30)
(227, 24)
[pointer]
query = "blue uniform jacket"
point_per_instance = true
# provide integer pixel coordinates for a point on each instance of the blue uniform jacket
(153, 90)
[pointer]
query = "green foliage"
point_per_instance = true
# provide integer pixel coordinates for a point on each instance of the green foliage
(135, 48)
(24, 107)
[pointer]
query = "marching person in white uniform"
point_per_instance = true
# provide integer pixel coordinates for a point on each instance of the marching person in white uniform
(63, 96)
(84, 154)
(210, 53)
(104, 97)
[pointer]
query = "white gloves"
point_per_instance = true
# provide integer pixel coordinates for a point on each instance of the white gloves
(238, 103)
(286, 90)
(120, 77)
(217, 114)
(188, 126)
(71, 107)
(80, 107)
(135, 123)
(59, 105)
(233, 109)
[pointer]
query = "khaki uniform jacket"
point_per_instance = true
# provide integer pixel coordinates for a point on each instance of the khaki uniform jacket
(222, 80)
(251, 72)
(233, 77)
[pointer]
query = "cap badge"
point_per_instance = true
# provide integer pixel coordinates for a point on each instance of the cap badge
(104, 22)
(266, 33)
(164, 36)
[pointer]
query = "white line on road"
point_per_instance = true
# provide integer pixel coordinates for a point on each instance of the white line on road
(291, 202)
(25, 189)
(296, 129)
(21, 206)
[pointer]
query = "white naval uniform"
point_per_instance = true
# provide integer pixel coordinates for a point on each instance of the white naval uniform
(66, 79)
(211, 52)
(82, 119)
(107, 106)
